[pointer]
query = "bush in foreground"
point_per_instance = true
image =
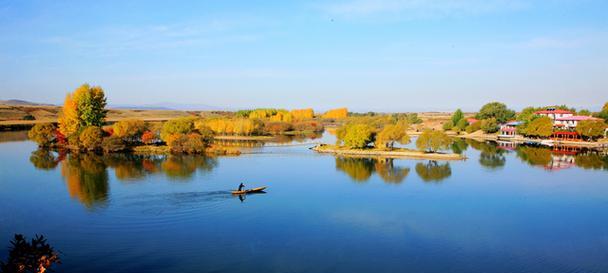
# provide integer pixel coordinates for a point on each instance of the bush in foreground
(91, 138)
(43, 134)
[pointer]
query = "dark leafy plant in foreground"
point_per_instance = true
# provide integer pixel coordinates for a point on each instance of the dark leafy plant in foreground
(34, 256)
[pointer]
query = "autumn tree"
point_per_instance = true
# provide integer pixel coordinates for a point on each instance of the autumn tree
(355, 135)
(91, 138)
(43, 134)
(183, 125)
(433, 140)
(338, 113)
(84, 107)
(591, 129)
(302, 114)
(129, 129)
(390, 134)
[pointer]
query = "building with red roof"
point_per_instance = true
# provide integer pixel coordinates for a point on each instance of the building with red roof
(570, 122)
(554, 113)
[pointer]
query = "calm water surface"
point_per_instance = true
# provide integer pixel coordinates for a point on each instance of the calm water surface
(504, 209)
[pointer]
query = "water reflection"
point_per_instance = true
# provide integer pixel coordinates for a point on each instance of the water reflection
(86, 178)
(86, 174)
(459, 145)
(361, 169)
(433, 171)
(493, 156)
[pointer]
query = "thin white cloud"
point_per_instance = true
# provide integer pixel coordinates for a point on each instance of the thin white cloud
(120, 39)
(552, 43)
(420, 8)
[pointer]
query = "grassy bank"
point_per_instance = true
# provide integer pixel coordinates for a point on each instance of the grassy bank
(395, 153)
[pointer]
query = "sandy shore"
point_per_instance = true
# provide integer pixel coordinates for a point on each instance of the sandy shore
(397, 153)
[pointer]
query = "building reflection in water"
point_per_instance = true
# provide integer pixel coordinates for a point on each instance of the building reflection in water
(87, 174)
(493, 155)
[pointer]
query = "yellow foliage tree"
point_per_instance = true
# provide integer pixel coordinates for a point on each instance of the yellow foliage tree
(336, 113)
(302, 114)
(68, 118)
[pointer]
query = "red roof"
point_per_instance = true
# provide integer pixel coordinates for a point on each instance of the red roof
(576, 118)
(472, 120)
(555, 111)
(565, 133)
(508, 129)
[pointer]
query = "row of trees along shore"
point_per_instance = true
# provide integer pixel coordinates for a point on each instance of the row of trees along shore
(491, 115)
(384, 131)
(82, 119)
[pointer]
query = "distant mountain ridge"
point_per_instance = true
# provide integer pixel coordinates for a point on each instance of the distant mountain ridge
(16, 102)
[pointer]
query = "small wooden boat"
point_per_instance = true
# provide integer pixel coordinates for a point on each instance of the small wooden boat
(254, 190)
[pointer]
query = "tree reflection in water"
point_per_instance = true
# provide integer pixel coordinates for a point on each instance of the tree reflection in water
(534, 156)
(432, 171)
(459, 146)
(361, 169)
(490, 156)
(86, 178)
(86, 174)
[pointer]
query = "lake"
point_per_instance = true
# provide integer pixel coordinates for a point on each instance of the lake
(504, 209)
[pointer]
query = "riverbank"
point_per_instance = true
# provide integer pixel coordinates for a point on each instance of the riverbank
(480, 136)
(396, 153)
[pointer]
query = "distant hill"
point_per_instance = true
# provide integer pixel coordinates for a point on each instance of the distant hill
(167, 106)
(14, 102)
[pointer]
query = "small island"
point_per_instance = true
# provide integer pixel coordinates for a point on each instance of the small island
(377, 138)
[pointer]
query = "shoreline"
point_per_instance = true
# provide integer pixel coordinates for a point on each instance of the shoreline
(398, 153)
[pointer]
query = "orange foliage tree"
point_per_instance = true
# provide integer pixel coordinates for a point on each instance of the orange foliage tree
(336, 113)
(302, 114)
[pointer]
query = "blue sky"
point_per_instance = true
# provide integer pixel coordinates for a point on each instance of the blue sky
(391, 55)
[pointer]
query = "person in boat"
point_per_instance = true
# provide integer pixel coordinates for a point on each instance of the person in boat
(241, 186)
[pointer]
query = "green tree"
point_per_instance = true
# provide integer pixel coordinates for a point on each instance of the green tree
(539, 127)
(604, 113)
(584, 112)
(43, 134)
(433, 140)
(460, 126)
(457, 116)
(489, 125)
(591, 129)
(91, 106)
(527, 114)
(496, 110)
(391, 134)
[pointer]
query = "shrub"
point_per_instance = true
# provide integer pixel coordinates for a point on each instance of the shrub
(29, 117)
(275, 128)
(312, 126)
(91, 137)
(129, 129)
(149, 137)
(113, 144)
(43, 134)
(176, 126)
(448, 125)
(192, 143)
(473, 127)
